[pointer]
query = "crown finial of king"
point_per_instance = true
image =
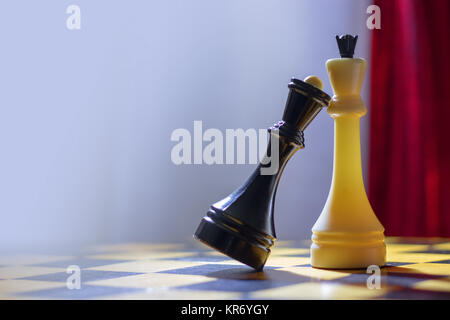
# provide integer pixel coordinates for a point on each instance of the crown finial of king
(346, 44)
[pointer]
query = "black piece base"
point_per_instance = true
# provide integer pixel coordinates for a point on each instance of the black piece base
(234, 239)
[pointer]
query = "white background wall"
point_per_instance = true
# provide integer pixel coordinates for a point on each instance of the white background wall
(86, 116)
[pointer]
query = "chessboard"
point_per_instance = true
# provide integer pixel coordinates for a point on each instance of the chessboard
(417, 268)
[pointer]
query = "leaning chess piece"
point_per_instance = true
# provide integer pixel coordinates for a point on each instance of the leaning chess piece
(241, 225)
(347, 234)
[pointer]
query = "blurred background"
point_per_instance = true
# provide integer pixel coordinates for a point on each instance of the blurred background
(87, 115)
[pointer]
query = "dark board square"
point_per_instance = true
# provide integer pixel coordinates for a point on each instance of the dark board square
(85, 292)
(397, 264)
(442, 261)
(238, 280)
(297, 255)
(388, 264)
(307, 265)
(81, 262)
(235, 285)
(411, 240)
(208, 269)
(413, 294)
(200, 257)
(387, 278)
(85, 275)
(433, 251)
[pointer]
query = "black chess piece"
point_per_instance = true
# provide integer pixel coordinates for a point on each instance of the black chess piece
(346, 44)
(241, 225)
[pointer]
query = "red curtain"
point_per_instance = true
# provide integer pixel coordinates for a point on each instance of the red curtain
(409, 161)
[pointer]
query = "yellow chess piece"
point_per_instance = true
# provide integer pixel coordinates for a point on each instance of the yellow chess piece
(315, 81)
(347, 234)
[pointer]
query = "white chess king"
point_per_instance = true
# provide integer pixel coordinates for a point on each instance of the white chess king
(347, 235)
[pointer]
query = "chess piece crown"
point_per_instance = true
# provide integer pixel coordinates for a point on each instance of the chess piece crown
(346, 44)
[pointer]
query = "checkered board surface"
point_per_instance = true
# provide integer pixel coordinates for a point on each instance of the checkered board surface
(416, 269)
